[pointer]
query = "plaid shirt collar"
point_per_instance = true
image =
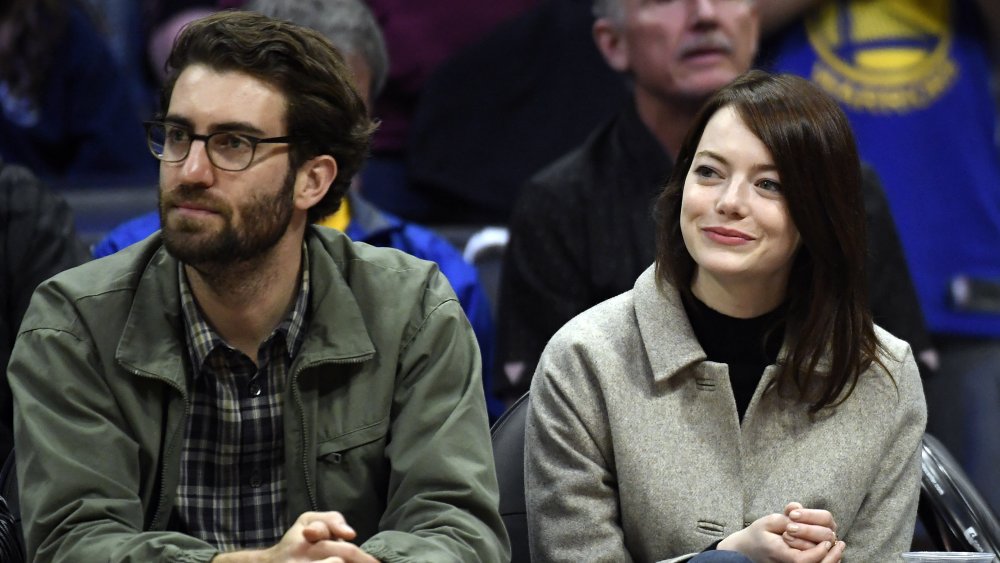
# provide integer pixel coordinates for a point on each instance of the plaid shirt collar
(202, 339)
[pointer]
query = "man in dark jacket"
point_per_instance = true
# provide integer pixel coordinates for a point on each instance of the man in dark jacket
(37, 241)
(582, 229)
(244, 386)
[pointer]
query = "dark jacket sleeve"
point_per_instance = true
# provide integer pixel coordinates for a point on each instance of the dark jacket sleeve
(543, 281)
(892, 295)
(37, 241)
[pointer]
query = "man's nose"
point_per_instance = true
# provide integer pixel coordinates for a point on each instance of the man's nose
(197, 169)
(704, 10)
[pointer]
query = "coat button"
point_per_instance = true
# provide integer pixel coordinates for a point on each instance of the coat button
(255, 389)
(255, 479)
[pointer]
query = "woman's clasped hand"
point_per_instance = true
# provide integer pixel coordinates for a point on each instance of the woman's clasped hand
(799, 535)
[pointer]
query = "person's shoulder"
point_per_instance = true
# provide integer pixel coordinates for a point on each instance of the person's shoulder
(97, 291)
(895, 372)
(426, 244)
(22, 192)
(116, 272)
(893, 350)
(383, 271)
(609, 325)
(570, 172)
(343, 250)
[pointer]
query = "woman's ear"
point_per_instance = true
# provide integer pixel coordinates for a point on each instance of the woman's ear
(314, 180)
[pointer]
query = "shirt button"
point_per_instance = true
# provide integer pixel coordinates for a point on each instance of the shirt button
(255, 479)
(255, 389)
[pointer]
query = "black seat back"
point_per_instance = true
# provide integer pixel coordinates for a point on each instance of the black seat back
(951, 509)
(11, 538)
(508, 451)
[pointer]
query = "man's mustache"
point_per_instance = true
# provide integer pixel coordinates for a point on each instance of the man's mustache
(714, 41)
(193, 197)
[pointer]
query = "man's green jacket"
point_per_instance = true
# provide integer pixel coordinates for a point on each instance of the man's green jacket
(384, 413)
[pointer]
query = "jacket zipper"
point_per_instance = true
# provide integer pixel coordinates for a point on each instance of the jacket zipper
(172, 441)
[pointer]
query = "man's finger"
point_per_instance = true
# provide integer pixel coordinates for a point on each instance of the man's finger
(328, 525)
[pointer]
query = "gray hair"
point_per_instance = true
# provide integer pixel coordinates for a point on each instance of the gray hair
(348, 24)
(614, 10)
(609, 9)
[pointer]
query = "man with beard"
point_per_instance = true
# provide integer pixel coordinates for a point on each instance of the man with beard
(582, 229)
(244, 386)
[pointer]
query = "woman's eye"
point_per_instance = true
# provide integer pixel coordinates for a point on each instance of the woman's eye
(705, 172)
(769, 185)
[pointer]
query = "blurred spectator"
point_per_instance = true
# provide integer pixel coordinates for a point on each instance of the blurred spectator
(168, 17)
(351, 28)
(420, 37)
(582, 229)
(914, 79)
(66, 111)
(36, 241)
(124, 25)
(478, 136)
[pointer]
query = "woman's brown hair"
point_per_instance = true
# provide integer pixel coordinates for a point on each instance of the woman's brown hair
(813, 148)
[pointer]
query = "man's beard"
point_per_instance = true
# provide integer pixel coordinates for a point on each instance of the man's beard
(263, 221)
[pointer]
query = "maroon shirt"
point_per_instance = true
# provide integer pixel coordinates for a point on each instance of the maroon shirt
(420, 36)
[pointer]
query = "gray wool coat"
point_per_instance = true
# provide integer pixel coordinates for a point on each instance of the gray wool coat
(634, 449)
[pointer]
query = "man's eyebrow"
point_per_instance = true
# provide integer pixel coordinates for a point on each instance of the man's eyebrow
(230, 126)
(178, 120)
(237, 127)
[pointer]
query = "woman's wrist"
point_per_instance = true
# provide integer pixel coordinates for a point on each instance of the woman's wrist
(731, 542)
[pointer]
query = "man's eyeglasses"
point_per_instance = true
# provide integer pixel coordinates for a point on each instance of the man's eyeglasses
(226, 150)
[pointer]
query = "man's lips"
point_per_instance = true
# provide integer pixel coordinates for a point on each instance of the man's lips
(194, 209)
(699, 53)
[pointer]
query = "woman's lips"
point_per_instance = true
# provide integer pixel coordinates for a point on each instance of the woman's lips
(726, 236)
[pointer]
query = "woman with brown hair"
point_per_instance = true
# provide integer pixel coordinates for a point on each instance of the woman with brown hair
(738, 404)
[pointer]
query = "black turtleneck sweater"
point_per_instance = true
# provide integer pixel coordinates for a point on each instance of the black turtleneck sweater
(738, 343)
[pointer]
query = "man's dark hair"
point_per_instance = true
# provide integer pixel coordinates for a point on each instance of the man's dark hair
(324, 113)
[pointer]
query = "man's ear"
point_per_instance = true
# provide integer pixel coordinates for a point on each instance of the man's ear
(314, 179)
(611, 43)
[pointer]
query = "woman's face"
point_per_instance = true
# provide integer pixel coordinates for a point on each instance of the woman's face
(734, 219)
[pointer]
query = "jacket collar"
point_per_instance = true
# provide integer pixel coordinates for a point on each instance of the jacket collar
(667, 334)
(152, 341)
(337, 331)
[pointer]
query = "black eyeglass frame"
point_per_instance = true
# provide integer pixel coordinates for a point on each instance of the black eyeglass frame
(254, 141)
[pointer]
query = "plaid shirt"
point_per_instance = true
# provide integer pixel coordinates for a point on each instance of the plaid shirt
(232, 485)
